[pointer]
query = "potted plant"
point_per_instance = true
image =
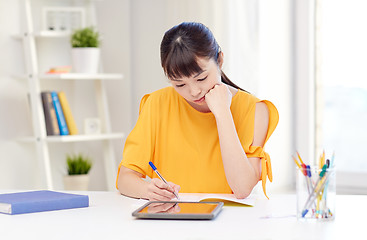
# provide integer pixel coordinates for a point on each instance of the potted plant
(85, 53)
(78, 167)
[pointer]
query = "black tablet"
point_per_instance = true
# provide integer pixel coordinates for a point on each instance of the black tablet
(178, 210)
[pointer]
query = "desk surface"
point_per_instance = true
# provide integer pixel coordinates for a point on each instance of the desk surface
(109, 217)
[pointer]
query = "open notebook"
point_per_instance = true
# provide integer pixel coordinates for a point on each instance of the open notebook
(228, 199)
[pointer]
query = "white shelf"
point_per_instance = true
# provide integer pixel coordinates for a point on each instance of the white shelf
(53, 34)
(77, 138)
(83, 76)
(77, 76)
(45, 34)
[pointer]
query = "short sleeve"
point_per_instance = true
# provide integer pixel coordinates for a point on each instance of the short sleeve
(140, 142)
(258, 151)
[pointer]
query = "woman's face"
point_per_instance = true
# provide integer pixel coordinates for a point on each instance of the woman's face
(194, 88)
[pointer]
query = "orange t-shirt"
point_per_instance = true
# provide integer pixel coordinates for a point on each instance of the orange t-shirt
(183, 143)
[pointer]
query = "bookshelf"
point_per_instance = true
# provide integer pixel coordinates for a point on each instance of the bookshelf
(35, 77)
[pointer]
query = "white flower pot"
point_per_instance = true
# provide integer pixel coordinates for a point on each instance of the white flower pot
(85, 60)
(76, 182)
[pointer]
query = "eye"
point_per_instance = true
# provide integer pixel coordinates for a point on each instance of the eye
(180, 85)
(202, 79)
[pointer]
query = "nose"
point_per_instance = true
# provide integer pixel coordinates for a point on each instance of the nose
(195, 91)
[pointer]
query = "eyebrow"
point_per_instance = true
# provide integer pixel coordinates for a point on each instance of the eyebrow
(178, 80)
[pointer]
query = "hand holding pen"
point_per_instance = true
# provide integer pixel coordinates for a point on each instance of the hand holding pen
(170, 188)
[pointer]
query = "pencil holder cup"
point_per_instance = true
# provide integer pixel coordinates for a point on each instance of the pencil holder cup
(316, 193)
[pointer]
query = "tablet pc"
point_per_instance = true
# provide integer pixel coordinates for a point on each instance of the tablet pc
(178, 210)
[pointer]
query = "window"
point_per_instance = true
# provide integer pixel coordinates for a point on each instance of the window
(341, 89)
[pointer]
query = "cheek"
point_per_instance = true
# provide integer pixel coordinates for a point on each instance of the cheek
(214, 80)
(181, 91)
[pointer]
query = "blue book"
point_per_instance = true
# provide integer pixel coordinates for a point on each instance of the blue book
(40, 201)
(60, 114)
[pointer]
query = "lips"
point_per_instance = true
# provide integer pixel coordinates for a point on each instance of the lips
(200, 100)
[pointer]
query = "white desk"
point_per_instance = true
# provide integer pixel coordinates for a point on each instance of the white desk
(109, 217)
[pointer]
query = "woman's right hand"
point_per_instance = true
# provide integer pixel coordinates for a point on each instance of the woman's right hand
(160, 191)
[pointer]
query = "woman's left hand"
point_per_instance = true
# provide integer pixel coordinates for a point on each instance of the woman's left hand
(219, 99)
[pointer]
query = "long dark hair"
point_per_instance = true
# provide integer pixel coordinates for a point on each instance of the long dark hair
(183, 44)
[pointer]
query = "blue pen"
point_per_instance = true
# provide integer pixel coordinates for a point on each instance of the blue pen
(160, 176)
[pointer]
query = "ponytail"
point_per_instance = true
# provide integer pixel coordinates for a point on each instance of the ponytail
(226, 80)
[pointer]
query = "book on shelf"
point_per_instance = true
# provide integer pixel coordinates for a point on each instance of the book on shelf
(70, 122)
(59, 114)
(59, 70)
(40, 201)
(52, 126)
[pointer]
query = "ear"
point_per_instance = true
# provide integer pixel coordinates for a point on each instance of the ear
(220, 59)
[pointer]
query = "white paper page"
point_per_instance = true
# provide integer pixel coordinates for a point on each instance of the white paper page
(195, 197)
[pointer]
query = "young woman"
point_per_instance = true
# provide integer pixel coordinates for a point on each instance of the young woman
(204, 134)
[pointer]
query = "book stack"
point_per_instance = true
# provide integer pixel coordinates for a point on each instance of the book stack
(58, 117)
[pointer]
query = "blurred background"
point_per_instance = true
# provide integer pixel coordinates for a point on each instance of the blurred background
(306, 56)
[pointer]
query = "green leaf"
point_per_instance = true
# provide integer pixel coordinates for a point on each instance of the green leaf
(85, 37)
(78, 164)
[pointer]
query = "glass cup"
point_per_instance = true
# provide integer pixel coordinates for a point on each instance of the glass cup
(316, 193)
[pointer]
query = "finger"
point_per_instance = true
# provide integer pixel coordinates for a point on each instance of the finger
(155, 193)
(215, 86)
(160, 184)
(166, 189)
(167, 195)
(163, 186)
(158, 197)
(176, 188)
(163, 193)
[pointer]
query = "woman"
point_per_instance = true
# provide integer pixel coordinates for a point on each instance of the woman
(204, 133)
